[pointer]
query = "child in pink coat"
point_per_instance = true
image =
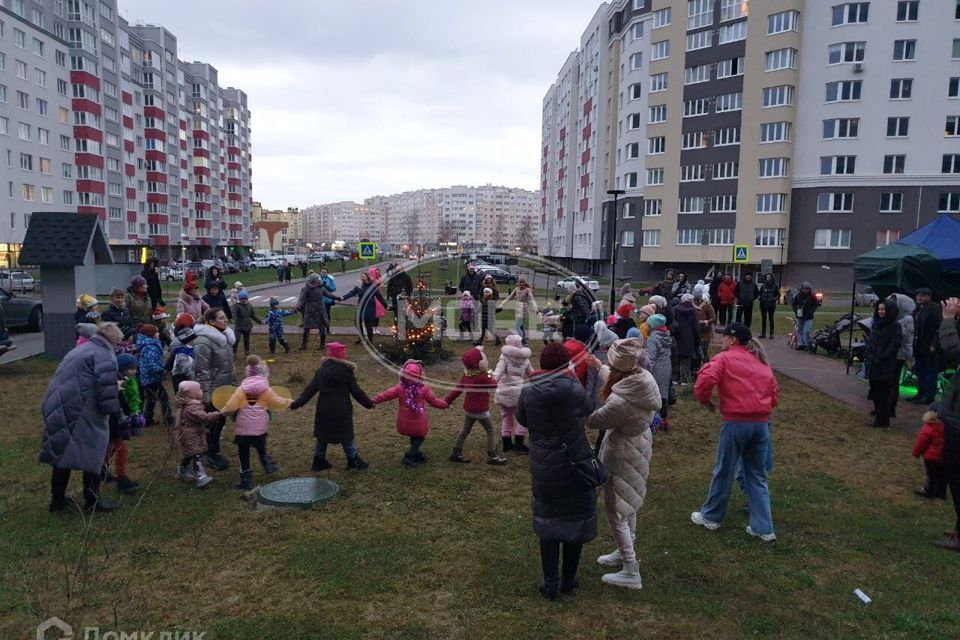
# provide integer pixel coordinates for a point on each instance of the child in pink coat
(512, 370)
(413, 395)
(253, 401)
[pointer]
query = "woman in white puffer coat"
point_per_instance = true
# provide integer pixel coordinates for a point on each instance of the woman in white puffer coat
(631, 399)
(512, 370)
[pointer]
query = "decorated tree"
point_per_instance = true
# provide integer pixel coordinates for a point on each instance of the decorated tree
(418, 328)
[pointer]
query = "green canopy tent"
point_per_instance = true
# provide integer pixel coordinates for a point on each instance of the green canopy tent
(898, 268)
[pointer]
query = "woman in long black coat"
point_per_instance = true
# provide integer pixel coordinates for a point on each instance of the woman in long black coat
(366, 293)
(553, 408)
(334, 384)
(688, 336)
(151, 273)
(880, 357)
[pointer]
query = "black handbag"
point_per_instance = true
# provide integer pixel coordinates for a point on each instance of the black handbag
(589, 472)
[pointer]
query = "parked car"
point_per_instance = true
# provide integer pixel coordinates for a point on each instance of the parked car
(499, 275)
(561, 286)
(171, 274)
(267, 263)
(866, 297)
(231, 267)
(197, 269)
(17, 281)
(21, 311)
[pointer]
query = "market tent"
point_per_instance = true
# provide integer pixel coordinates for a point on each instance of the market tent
(942, 237)
(904, 268)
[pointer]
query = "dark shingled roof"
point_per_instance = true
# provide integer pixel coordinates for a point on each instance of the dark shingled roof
(62, 238)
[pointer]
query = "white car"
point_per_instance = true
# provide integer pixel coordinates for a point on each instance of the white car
(16, 281)
(593, 285)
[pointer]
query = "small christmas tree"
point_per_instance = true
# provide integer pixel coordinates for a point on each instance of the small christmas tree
(418, 329)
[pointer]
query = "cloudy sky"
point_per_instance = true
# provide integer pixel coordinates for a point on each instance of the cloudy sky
(352, 99)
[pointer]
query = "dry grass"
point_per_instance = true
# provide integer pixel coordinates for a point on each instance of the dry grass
(446, 551)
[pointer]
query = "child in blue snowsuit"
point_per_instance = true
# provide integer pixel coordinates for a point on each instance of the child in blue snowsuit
(274, 322)
(152, 374)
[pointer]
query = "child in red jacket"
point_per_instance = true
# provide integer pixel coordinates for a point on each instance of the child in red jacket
(929, 444)
(477, 383)
(414, 396)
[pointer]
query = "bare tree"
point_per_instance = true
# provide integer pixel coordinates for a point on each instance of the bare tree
(525, 239)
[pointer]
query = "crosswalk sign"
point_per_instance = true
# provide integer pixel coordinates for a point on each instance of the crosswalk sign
(367, 250)
(741, 253)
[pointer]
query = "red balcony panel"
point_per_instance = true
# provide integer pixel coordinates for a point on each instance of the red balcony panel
(184, 222)
(94, 211)
(204, 242)
(543, 218)
(560, 193)
(127, 98)
(88, 160)
(202, 188)
(161, 241)
(201, 171)
(87, 133)
(546, 151)
(156, 156)
(157, 198)
(584, 204)
(233, 182)
(202, 206)
(131, 193)
(559, 213)
(130, 170)
(82, 104)
(201, 134)
(563, 132)
(157, 218)
(131, 216)
(183, 184)
(183, 145)
(90, 186)
(563, 154)
(204, 224)
(156, 176)
(235, 226)
(587, 106)
(155, 134)
(183, 125)
(234, 150)
(183, 164)
(585, 157)
(585, 180)
(128, 146)
(562, 173)
(234, 212)
(201, 153)
(184, 203)
(587, 130)
(85, 78)
(127, 122)
(154, 112)
(221, 144)
(233, 166)
(235, 197)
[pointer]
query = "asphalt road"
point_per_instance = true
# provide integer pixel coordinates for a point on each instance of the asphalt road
(28, 344)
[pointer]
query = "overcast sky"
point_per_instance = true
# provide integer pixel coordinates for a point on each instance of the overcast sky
(352, 99)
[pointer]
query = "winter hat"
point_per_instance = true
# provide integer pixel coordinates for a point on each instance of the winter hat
(86, 330)
(190, 389)
(656, 321)
(336, 350)
(487, 291)
(583, 333)
(210, 283)
(660, 301)
(183, 320)
(472, 358)
(648, 310)
(633, 332)
(412, 371)
(126, 362)
(160, 312)
(148, 330)
(185, 334)
(699, 291)
(625, 310)
(238, 285)
(190, 283)
(604, 336)
(687, 297)
(274, 302)
(597, 306)
(138, 281)
(116, 292)
(514, 340)
(313, 277)
(554, 356)
(622, 356)
(467, 295)
(611, 319)
(86, 301)
(243, 295)
(629, 297)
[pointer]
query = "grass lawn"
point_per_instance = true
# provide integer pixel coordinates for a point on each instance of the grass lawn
(446, 551)
(261, 276)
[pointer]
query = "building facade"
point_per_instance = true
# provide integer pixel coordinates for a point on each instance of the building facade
(792, 128)
(161, 152)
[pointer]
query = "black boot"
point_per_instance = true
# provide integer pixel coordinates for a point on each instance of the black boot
(519, 446)
(568, 585)
(246, 481)
(320, 464)
(550, 589)
(269, 466)
(356, 463)
(507, 444)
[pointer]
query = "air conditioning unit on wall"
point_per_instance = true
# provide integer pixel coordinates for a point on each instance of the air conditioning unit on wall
(858, 67)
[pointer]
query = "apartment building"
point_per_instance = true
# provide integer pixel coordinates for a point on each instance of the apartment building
(786, 126)
(161, 151)
(35, 128)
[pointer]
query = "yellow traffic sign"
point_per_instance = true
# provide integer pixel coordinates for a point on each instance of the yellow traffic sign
(741, 253)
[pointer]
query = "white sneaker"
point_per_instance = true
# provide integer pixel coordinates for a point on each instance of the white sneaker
(697, 518)
(203, 480)
(766, 537)
(612, 559)
(628, 577)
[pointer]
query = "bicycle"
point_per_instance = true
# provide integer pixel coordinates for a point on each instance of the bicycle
(793, 339)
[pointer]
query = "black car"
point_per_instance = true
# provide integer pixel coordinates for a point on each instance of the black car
(21, 311)
(499, 275)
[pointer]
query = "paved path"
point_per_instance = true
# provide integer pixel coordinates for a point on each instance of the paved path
(28, 344)
(260, 294)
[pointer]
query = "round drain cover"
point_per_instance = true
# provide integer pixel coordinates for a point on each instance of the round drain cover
(298, 493)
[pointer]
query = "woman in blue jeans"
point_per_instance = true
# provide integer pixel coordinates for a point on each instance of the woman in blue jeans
(747, 391)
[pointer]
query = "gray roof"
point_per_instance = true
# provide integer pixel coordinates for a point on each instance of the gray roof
(62, 239)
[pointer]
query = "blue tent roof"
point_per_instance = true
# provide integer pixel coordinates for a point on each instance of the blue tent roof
(942, 237)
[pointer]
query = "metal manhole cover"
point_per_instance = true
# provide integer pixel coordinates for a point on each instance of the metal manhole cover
(298, 493)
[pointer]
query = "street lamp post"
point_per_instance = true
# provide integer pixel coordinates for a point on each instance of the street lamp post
(616, 193)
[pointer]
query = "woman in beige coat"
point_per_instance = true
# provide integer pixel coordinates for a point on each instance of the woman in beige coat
(631, 399)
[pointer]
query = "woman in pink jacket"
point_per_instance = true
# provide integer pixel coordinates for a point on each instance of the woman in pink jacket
(413, 395)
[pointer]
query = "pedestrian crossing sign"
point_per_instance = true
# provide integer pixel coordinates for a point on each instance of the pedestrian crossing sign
(367, 250)
(741, 253)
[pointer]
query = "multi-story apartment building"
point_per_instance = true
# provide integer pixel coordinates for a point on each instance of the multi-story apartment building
(344, 222)
(787, 126)
(161, 152)
(35, 127)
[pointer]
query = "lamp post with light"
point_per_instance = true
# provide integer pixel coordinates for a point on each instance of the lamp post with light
(616, 193)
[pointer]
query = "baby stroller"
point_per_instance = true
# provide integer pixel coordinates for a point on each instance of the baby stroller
(860, 342)
(830, 339)
(550, 323)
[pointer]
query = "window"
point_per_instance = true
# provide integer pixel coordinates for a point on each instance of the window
(45, 165)
(730, 102)
(898, 127)
(887, 236)
(660, 50)
(20, 38)
(956, 15)
(951, 163)
(3, 93)
(956, 49)
(652, 208)
(841, 128)
(636, 33)
(844, 91)
(693, 140)
(694, 75)
(846, 52)
(732, 9)
(633, 150)
(727, 136)
(636, 61)
(720, 237)
(658, 82)
(28, 192)
(691, 173)
(774, 167)
(952, 128)
(730, 67)
(837, 165)
(894, 163)
(908, 10)
(627, 239)
(696, 107)
(850, 13)
(699, 14)
(953, 89)
(699, 40)
(62, 87)
(775, 132)
(891, 202)
(46, 196)
(726, 170)
(37, 47)
(633, 121)
(651, 237)
(656, 145)
(65, 143)
(631, 180)
(783, 21)
(904, 50)
(42, 107)
(4, 126)
(733, 32)
(654, 176)
(723, 204)
(688, 237)
(771, 202)
(43, 136)
(63, 115)
(831, 239)
(61, 57)
(658, 113)
(768, 237)
(661, 18)
(26, 162)
(901, 88)
(834, 202)
(636, 91)
(691, 204)
(23, 100)
(777, 96)
(21, 69)
(23, 131)
(780, 59)
(949, 203)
